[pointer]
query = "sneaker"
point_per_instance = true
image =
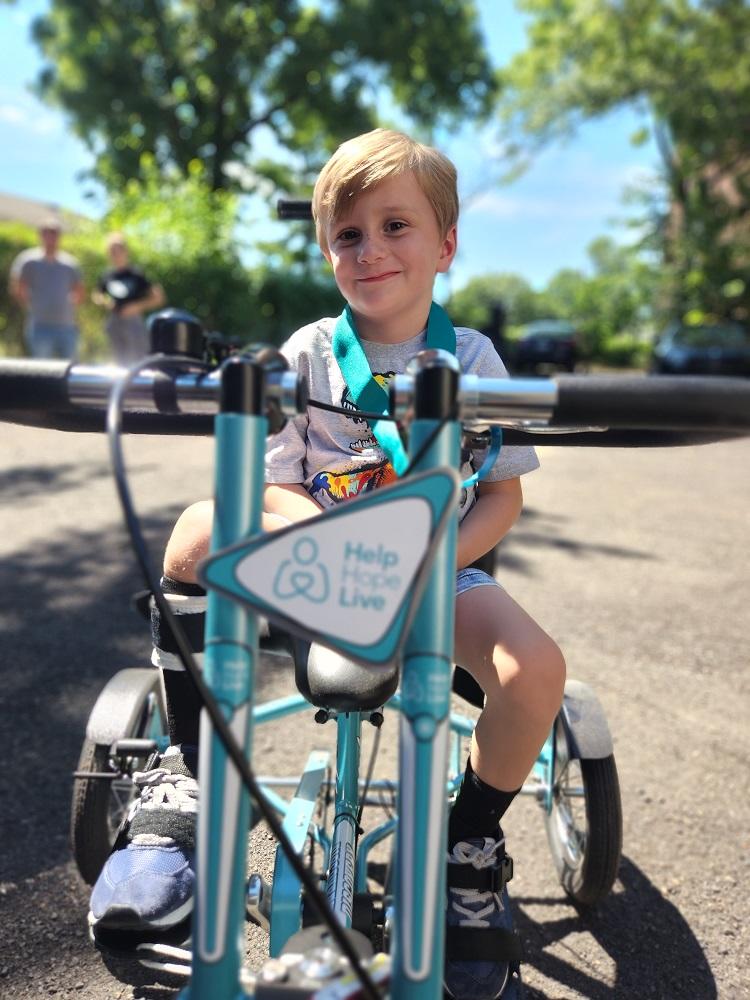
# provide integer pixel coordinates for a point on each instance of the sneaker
(482, 951)
(147, 883)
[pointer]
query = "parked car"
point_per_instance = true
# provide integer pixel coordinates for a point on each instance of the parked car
(546, 342)
(711, 349)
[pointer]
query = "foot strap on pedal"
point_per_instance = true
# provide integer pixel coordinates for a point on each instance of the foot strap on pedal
(483, 944)
(490, 879)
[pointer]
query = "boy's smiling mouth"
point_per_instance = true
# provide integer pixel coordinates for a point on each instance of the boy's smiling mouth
(378, 277)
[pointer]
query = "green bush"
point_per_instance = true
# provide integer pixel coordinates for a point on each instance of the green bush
(285, 300)
(624, 351)
(14, 238)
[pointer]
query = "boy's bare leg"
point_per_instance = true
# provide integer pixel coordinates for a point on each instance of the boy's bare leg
(191, 538)
(522, 673)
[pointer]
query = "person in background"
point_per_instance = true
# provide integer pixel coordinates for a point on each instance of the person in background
(47, 283)
(127, 293)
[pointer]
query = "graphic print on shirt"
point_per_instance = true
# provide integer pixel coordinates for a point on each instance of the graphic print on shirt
(330, 487)
(368, 440)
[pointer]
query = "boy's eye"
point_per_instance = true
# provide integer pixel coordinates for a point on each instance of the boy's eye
(395, 226)
(347, 235)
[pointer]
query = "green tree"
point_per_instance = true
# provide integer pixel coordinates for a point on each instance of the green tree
(242, 85)
(685, 65)
(472, 305)
(612, 305)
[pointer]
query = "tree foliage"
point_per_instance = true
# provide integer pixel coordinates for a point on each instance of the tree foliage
(615, 299)
(611, 304)
(472, 305)
(241, 85)
(685, 64)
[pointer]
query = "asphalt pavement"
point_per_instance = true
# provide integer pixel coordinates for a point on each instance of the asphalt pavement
(634, 560)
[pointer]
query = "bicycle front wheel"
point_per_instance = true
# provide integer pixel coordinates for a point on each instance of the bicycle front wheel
(103, 793)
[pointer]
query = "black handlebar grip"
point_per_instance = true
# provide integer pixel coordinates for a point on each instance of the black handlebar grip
(294, 208)
(27, 384)
(679, 402)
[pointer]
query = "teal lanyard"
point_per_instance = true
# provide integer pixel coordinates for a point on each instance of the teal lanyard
(365, 391)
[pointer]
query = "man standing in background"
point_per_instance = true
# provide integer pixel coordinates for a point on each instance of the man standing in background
(47, 282)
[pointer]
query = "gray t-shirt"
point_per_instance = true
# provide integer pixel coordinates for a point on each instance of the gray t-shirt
(337, 457)
(50, 283)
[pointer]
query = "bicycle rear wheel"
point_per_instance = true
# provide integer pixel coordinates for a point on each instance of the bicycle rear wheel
(584, 825)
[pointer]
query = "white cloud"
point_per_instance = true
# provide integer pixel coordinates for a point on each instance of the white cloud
(21, 17)
(11, 115)
(552, 206)
(497, 205)
(29, 116)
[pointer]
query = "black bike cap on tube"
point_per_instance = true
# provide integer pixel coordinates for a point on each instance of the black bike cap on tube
(175, 331)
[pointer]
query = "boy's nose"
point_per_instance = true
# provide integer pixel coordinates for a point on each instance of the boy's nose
(370, 249)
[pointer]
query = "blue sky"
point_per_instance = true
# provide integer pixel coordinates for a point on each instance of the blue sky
(533, 227)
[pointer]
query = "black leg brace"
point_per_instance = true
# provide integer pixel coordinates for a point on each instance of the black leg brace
(187, 600)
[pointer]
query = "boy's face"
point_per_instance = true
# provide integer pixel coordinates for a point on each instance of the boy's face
(385, 251)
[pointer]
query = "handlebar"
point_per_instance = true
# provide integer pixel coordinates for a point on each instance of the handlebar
(582, 410)
(294, 208)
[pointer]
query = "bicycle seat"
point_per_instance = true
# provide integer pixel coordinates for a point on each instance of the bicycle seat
(328, 680)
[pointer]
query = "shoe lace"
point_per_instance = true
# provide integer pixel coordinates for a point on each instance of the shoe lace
(475, 906)
(162, 789)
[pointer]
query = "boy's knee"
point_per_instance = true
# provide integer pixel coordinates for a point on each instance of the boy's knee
(553, 670)
(534, 677)
(189, 541)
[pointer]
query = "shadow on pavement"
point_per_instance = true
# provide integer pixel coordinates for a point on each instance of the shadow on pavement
(67, 628)
(21, 482)
(645, 937)
(522, 548)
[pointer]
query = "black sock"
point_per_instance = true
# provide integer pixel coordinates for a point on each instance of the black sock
(183, 703)
(478, 809)
(183, 708)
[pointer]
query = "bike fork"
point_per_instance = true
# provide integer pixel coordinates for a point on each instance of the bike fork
(425, 728)
(231, 652)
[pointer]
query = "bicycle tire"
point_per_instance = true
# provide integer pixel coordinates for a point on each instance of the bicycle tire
(586, 847)
(98, 805)
(90, 826)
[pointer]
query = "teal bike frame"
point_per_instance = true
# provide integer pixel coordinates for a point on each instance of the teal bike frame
(232, 650)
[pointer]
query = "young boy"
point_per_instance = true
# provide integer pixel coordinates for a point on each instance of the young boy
(386, 210)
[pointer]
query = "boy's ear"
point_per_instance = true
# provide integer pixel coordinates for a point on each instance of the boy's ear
(447, 250)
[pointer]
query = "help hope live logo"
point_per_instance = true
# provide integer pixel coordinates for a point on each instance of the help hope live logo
(348, 577)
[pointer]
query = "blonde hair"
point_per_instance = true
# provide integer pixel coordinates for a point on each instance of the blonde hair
(116, 240)
(369, 159)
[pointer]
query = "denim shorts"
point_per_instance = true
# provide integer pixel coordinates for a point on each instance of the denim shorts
(469, 578)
